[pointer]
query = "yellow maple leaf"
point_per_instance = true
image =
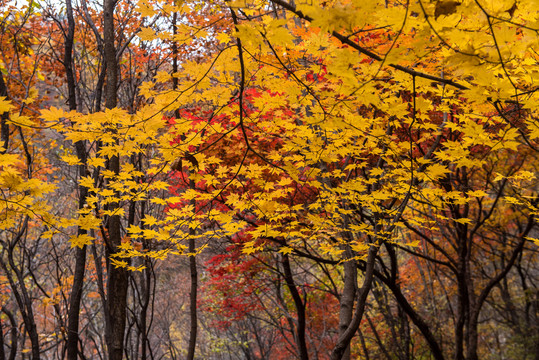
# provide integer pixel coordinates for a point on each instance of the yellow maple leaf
(22, 121)
(145, 9)
(87, 182)
(95, 162)
(118, 263)
(223, 38)
(149, 220)
(477, 193)
(89, 222)
(5, 105)
(360, 247)
(52, 114)
(117, 211)
(71, 159)
(436, 171)
(8, 159)
(81, 240)
(534, 240)
(146, 34)
(138, 268)
(286, 250)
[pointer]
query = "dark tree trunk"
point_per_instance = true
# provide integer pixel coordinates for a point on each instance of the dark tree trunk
(117, 277)
(23, 298)
(192, 302)
(423, 327)
(300, 309)
(345, 338)
(473, 333)
(193, 316)
(14, 334)
(4, 126)
(80, 254)
(74, 304)
(347, 300)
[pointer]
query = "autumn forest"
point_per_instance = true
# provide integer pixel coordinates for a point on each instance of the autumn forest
(269, 179)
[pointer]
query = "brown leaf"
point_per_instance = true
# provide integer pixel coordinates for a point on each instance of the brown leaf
(445, 8)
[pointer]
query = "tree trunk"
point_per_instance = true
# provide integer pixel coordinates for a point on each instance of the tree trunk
(473, 333)
(4, 126)
(423, 327)
(192, 294)
(23, 298)
(14, 334)
(345, 338)
(347, 300)
(300, 309)
(462, 310)
(80, 254)
(117, 277)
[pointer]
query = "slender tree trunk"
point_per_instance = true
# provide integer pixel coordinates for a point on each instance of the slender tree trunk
(175, 58)
(473, 333)
(345, 338)
(405, 311)
(300, 309)
(4, 126)
(111, 91)
(423, 327)
(4, 138)
(80, 254)
(463, 304)
(74, 303)
(146, 286)
(146, 280)
(193, 291)
(117, 277)
(14, 334)
(379, 341)
(347, 300)
(23, 298)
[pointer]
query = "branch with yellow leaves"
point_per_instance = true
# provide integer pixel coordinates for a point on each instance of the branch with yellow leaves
(346, 40)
